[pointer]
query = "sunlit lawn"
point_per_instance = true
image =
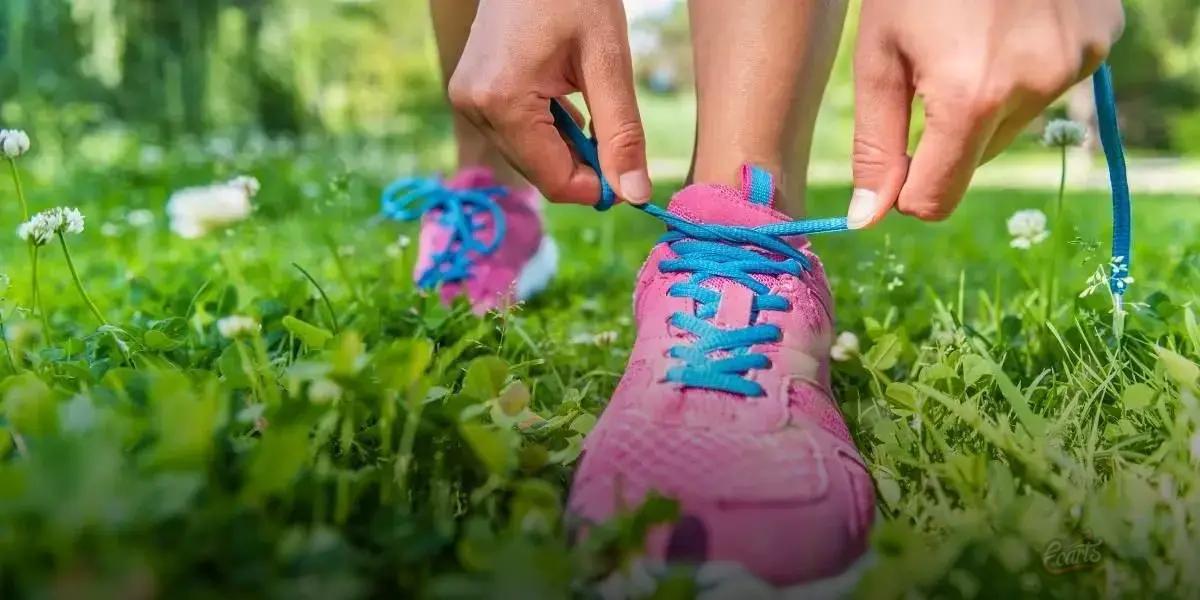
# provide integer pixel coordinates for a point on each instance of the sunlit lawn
(997, 409)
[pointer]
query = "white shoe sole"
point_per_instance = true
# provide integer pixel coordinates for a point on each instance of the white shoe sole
(536, 274)
(730, 581)
(720, 580)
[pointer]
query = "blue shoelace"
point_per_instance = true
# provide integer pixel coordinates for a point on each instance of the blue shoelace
(460, 211)
(720, 359)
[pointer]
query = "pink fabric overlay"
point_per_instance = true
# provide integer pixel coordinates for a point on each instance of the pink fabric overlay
(493, 277)
(773, 482)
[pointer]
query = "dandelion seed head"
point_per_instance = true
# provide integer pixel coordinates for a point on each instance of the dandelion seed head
(13, 143)
(1063, 133)
(236, 326)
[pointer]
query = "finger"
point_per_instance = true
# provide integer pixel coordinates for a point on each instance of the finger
(883, 98)
(945, 160)
(1010, 127)
(526, 135)
(607, 72)
(1031, 106)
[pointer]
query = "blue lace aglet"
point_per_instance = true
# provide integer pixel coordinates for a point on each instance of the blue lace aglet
(586, 147)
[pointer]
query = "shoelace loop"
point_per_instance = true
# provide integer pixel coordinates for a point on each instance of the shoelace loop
(461, 211)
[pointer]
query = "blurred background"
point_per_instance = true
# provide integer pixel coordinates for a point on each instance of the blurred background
(99, 80)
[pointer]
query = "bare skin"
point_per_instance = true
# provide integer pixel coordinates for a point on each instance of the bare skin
(451, 26)
(984, 70)
(761, 69)
(523, 53)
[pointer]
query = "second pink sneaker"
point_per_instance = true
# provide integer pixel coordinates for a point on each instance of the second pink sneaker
(478, 239)
(725, 404)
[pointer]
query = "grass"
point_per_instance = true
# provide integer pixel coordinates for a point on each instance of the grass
(154, 457)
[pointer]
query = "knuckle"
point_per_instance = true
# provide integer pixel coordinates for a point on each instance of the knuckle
(477, 96)
(966, 92)
(627, 138)
(869, 159)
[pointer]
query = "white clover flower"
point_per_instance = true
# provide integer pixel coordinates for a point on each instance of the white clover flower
(845, 347)
(42, 227)
(13, 143)
(1063, 133)
(235, 326)
(1028, 227)
(140, 217)
(110, 230)
(195, 212)
(403, 241)
(324, 391)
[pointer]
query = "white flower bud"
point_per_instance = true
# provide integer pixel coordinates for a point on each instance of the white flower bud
(13, 142)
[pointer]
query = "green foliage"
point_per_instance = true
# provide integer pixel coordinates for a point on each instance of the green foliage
(385, 445)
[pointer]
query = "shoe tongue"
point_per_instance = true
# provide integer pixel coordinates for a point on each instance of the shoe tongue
(751, 206)
(471, 178)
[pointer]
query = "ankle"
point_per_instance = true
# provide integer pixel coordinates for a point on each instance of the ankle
(789, 190)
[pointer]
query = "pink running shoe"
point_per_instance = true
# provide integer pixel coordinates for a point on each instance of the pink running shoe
(477, 238)
(726, 404)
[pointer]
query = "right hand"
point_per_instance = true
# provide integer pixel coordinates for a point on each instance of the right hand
(523, 53)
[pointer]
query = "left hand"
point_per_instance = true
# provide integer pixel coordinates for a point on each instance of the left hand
(984, 70)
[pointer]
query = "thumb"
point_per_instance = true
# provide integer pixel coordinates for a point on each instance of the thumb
(883, 96)
(607, 71)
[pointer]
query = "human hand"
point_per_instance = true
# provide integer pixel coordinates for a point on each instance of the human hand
(523, 53)
(983, 68)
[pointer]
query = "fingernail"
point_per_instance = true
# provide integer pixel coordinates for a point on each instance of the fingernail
(863, 206)
(635, 186)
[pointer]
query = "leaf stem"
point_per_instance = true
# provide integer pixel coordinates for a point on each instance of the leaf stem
(37, 294)
(16, 177)
(78, 283)
(325, 297)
